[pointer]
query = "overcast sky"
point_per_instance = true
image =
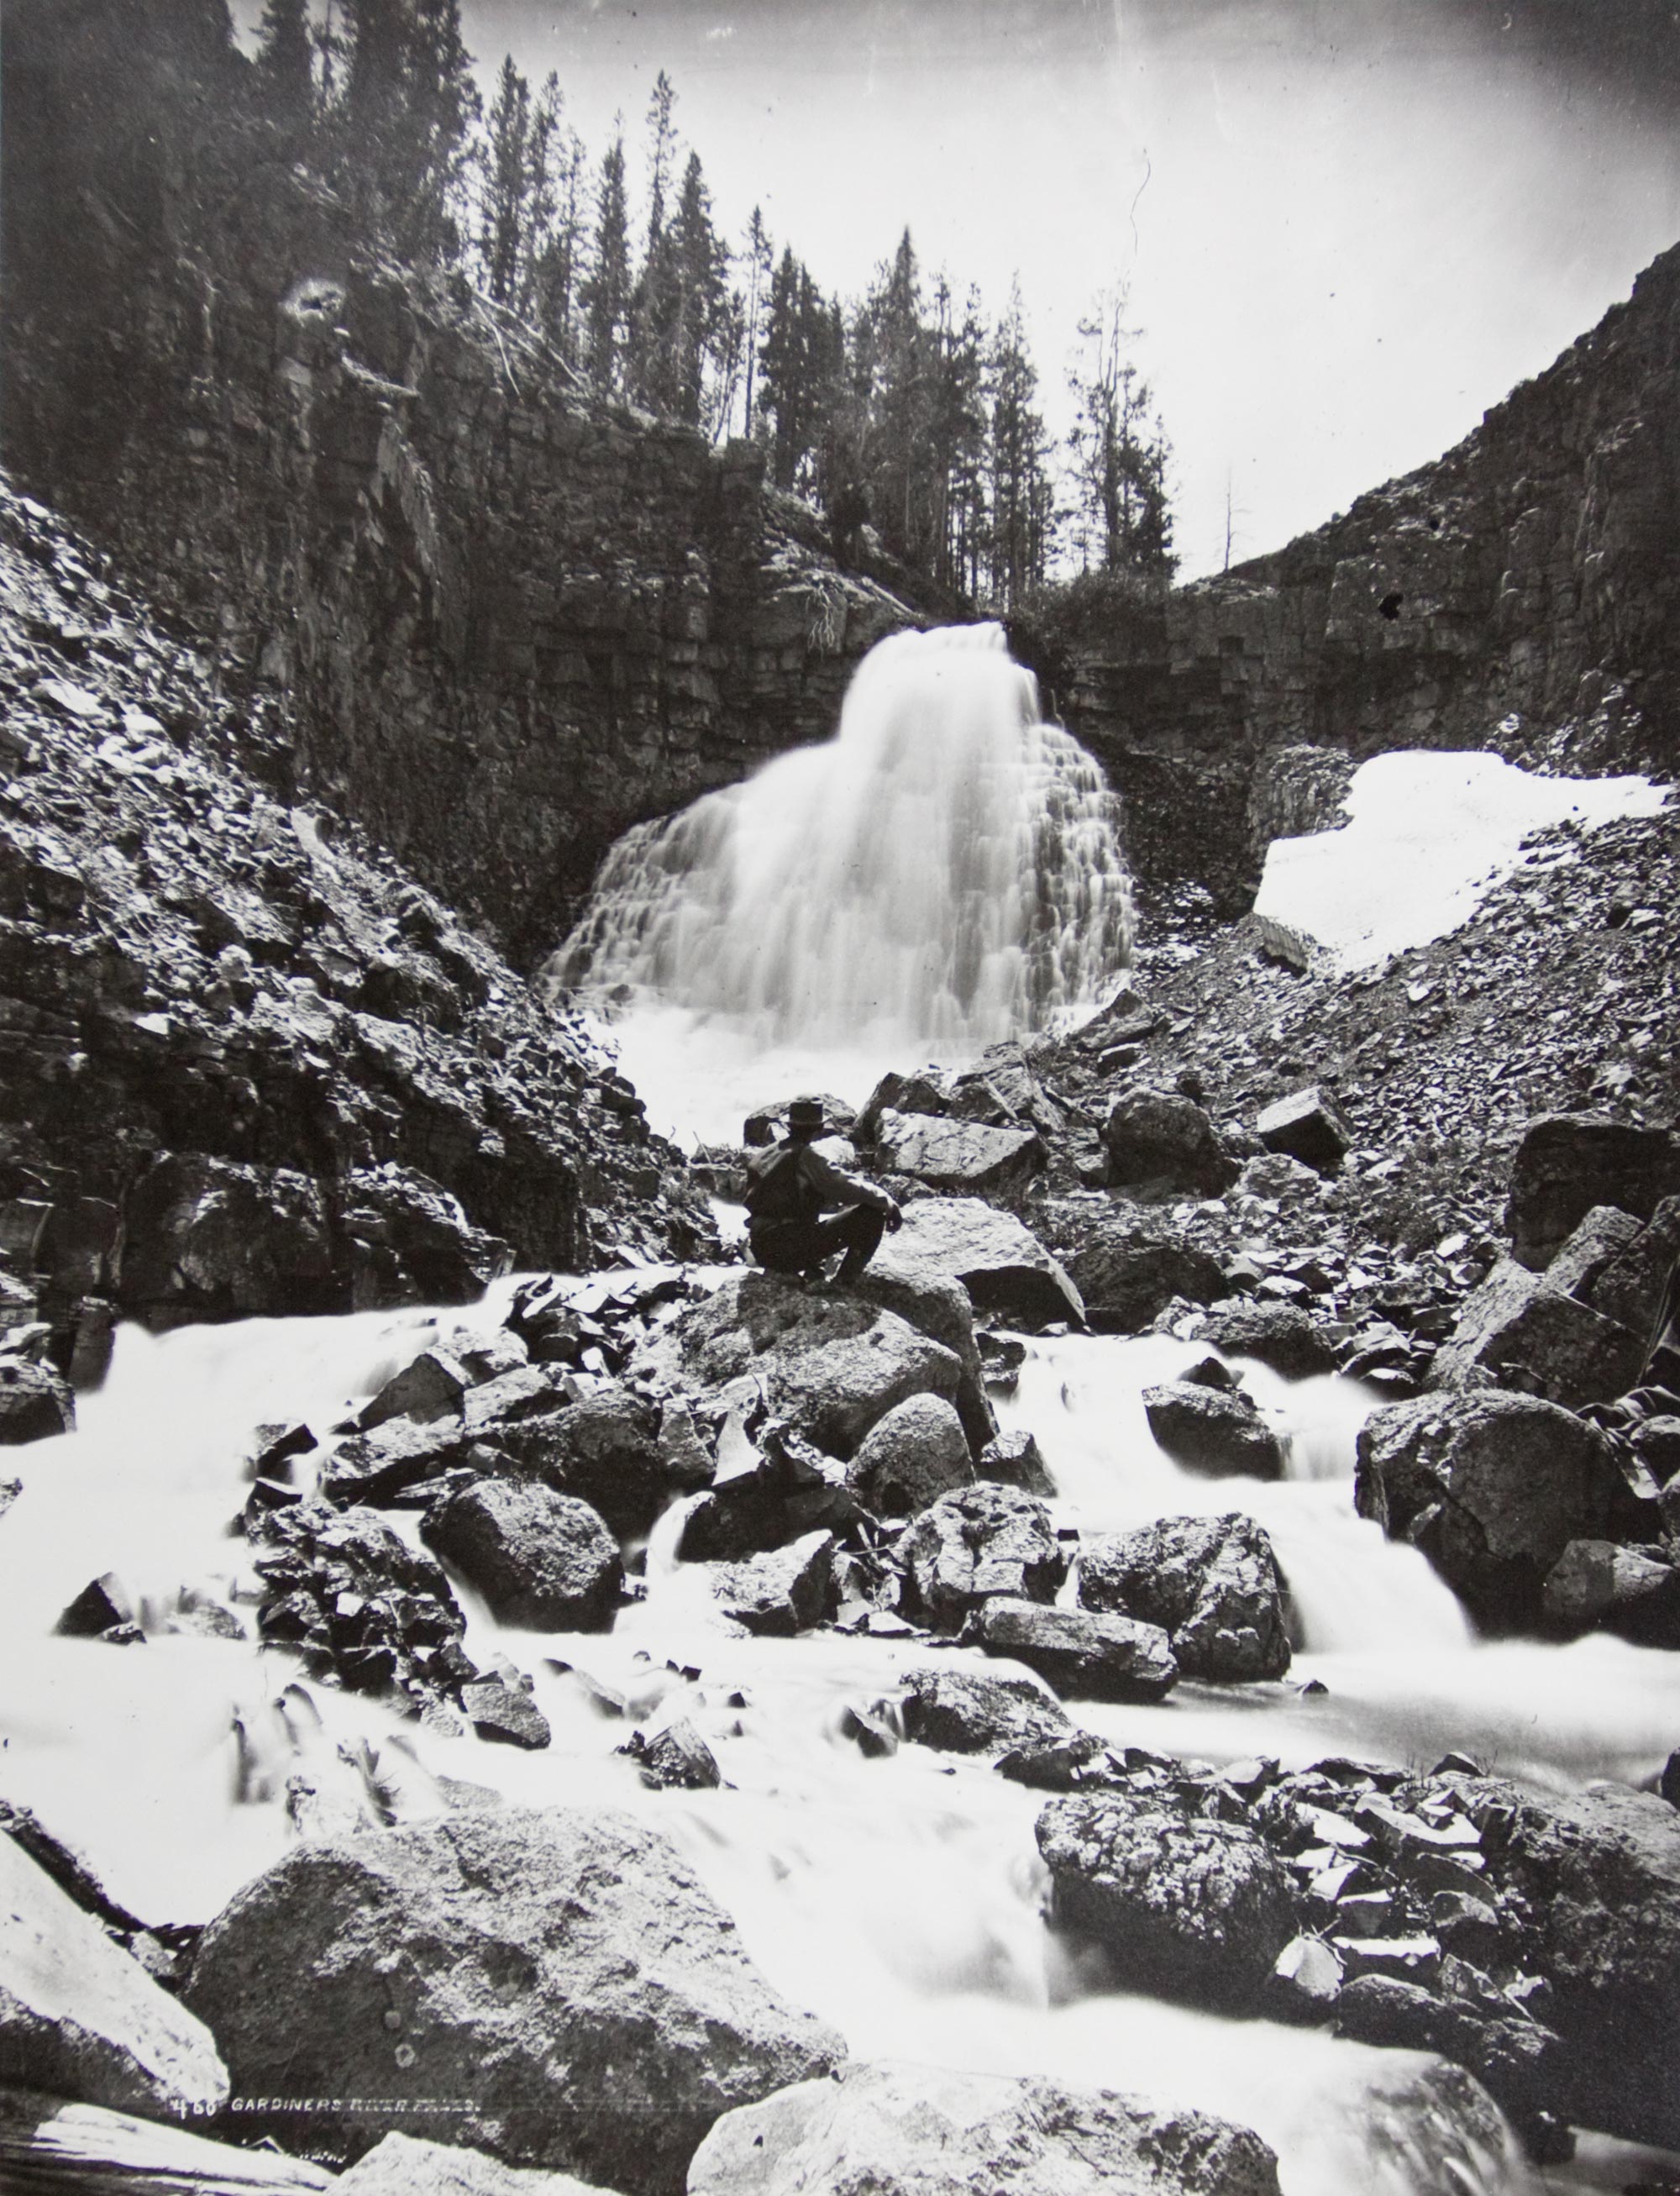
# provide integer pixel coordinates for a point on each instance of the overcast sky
(1349, 226)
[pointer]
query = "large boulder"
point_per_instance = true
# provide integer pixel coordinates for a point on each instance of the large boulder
(1630, 1285)
(1217, 1432)
(604, 1448)
(35, 1403)
(1567, 1162)
(832, 1365)
(1491, 1487)
(1002, 1265)
(1280, 1335)
(1307, 1125)
(541, 1559)
(1099, 1658)
(1521, 1329)
(959, 1709)
(561, 1977)
(907, 1459)
(971, 1546)
(938, 1306)
(958, 1155)
(1599, 1874)
(81, 2019)
(212, 1239)
(884, 2129)
(1185, 1905)
(780, 1591)
(1127, 1273)
(1212, 1584)
(1158, 1139)
(1595, 1583)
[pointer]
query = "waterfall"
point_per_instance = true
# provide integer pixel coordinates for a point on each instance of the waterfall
(946, 871)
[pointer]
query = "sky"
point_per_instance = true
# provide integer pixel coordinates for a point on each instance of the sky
(1346, 227)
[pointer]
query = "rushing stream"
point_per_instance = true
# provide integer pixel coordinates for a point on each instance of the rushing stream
(898, 1897)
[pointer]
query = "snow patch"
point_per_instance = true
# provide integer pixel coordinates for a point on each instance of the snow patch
(1428, 835)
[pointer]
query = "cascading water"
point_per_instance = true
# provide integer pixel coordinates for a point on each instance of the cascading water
(900, 1897)
(943, 873)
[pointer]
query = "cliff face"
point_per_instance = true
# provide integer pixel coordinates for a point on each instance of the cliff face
(246, 1064)
(1521, 593)
(509, 620)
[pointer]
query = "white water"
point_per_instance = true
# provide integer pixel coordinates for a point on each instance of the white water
(946, 872)
(898, 1898)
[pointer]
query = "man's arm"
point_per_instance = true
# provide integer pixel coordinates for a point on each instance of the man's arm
(834, 1187)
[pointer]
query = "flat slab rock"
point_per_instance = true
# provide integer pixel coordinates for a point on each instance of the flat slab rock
(1102, 1658)
(562, 1973)
(952, 1154)
(48, 2145)
(886, 2129)
(80, 2018)
(402, 2165)
(962, 1710)
(1003, 1265)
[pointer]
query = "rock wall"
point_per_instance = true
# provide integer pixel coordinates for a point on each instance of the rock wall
(1520, 594)
(508, 619)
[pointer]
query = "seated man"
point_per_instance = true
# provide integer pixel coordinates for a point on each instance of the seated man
(790, 1185)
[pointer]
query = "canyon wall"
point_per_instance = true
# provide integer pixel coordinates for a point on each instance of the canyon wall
(507, 619)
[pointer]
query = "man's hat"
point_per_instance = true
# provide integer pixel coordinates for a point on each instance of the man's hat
(805, 1113)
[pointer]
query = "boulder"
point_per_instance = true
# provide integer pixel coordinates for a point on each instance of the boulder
(1522, 2062)
(47, 2146)
(408, 1241)
(561, 1975)
(1631, 1285)
(505, 1714)
(1185, 1905)
(1213, 1430)
(541, 1560)
(958, 1155)
(918, 2130)
(402, 2165)
(1626, 1590)
(349, 1594)
(1309, 1126)
(1099, 1658)
(212, 1239)
(1491, 1487)
(938, 1306)
(982, 1541)
(1157, 1139)
(910, 1457)
(1520, 1330)
(80, 2018)
(1567, 1162)
(767, 1491)
(832, 1365)
(1280, 1335)
(35, 1403)
(675, 1759)
(604, 1448)
(1599, 1872)
(431, 1386)
(1004, 1267)
(780, 1592)
(1127, 1275)
(399, 1456)
(900, 1094)
(1014, 1459)
(104, 1609)
(1212, 1584)
(1601, 1238)
(959, 1709)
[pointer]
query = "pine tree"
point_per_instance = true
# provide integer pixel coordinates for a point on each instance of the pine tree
(1118, 452)
(898, 410)
(606, 294)
(558, 272)
(285, 61)
(507, 162)
(409, 106)
(1021, 518)
(699, 266)
(757, 260)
